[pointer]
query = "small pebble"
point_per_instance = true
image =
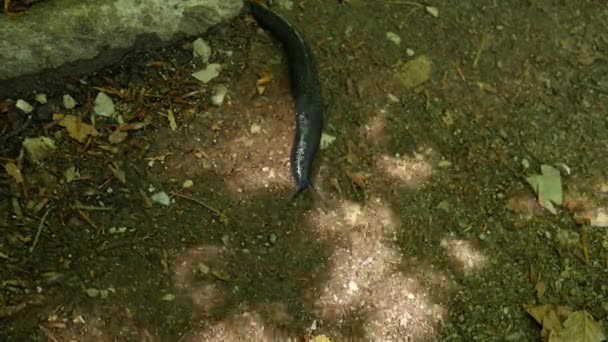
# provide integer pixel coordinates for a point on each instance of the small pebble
(219, 93)
(68, 102)
(187, 184)
(209, 73)
(432, 11)
(393, 37)
(201, 50)
(41, 98)
(161, 198)
(24, 106)
(104, 106)
(273, 238)
(409, 52)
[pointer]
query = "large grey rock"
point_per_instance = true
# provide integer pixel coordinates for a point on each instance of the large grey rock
(88, 34)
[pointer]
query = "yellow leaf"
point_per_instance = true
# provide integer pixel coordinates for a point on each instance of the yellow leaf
(580, 326)
(172, 122)
(14, 172)
(77, 129)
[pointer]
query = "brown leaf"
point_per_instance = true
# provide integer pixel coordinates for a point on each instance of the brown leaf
(13, 171)
(118, 173)
(77, 129)
(358, 178)
(525, 205)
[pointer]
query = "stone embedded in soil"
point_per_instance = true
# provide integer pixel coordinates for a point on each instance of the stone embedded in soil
(219, 94)
(201, 50)
(161, 198)
(210, 72)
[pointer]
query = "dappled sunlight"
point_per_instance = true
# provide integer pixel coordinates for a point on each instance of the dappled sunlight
(259, 146)
(395, 305)
(247, 325)
(194, 276)
(375, 220)
(464, 256)
(409, 171)
(375, 129)
(364, 276)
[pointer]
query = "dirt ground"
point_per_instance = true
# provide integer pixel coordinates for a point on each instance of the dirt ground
(423, 228)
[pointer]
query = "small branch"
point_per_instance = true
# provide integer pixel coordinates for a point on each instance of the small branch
(40, 225)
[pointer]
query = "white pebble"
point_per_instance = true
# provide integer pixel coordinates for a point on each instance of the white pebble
(209, 73)
(24, 106)
(161, 198)
(187, 184)
(432, 11)
(219, 93)
(104, 106)
(409, 52)
(68, 102)
(41, 98)
(393, 37)
(201, 49)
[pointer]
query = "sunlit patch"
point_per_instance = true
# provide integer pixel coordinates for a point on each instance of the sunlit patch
(375, 130)
(394, 306)
(194, 276)
(260, 150)
(365, 279)
(375, 219)
(464, 256)
(411, 171)
(247, 325)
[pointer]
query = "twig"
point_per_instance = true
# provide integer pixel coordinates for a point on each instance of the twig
(48, 333)
(223, 217)
(411, 3)
(80, 206)
(40, 225)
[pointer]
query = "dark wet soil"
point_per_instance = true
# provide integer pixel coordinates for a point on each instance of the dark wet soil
(423, 227)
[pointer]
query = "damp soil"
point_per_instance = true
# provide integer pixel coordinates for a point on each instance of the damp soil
(422, 227)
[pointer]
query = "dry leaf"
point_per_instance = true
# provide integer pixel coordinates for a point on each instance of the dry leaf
(264, 79)
(117, 137)
(540, 289)
(77, 129)
(13, 171)
(118, 173)
(580, 326)
(171, 118)
(525, 205)
(358, 178)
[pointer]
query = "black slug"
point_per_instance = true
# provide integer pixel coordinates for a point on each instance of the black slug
(306, 89)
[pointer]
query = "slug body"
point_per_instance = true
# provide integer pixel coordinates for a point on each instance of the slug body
(306, 89)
